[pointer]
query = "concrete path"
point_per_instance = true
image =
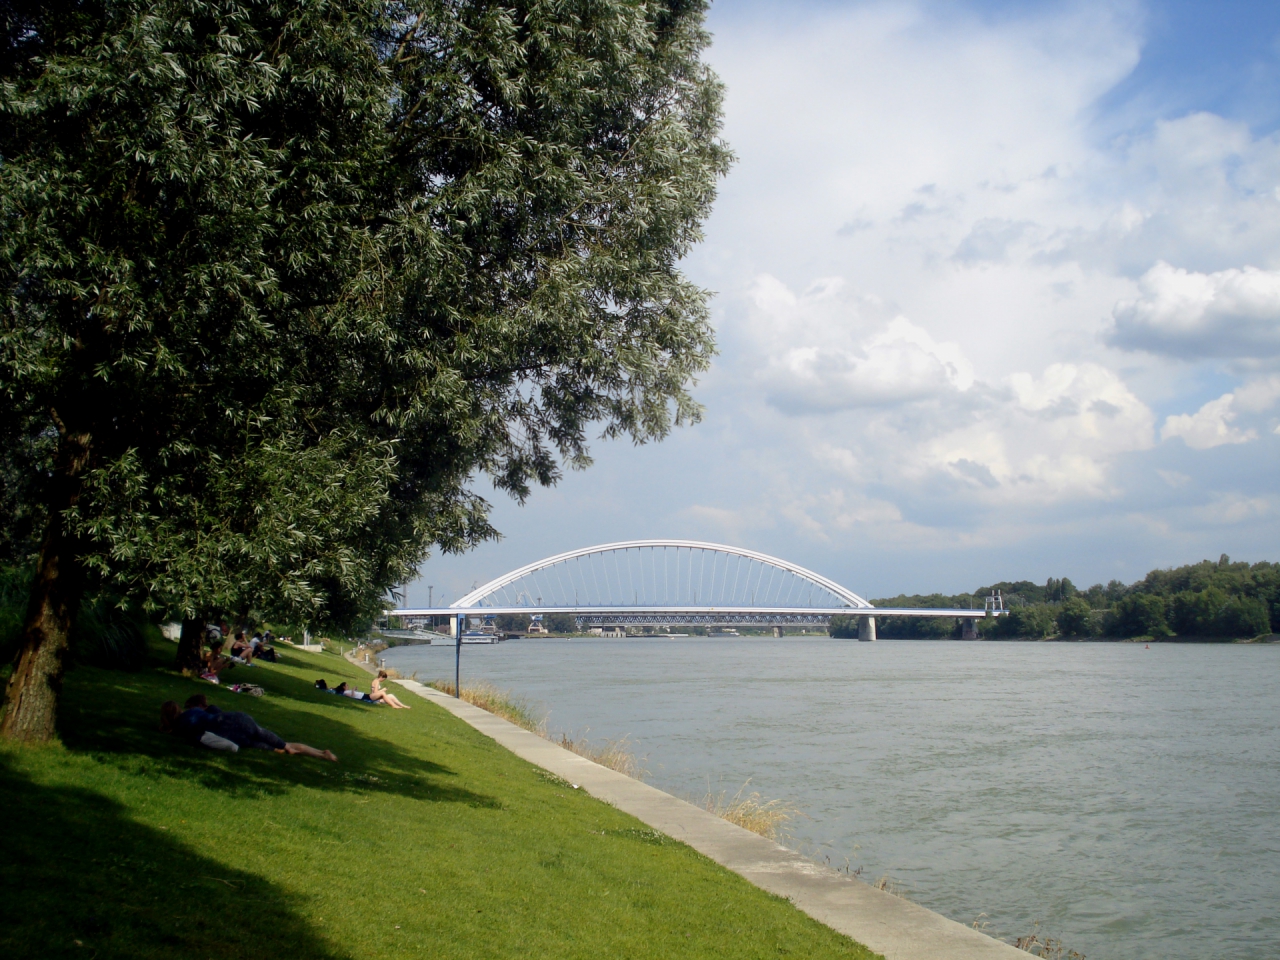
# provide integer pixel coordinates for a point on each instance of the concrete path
(897, 928)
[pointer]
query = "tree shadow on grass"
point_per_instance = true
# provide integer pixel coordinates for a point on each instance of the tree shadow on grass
(115, 717)
(77, 868)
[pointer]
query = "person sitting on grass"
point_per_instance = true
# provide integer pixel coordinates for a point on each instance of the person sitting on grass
(212, 662)
(262, 649)
(239, 728)
(381, 694)
(241, 648)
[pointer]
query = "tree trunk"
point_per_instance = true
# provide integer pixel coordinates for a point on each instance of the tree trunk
(190, 643)
(31, 696)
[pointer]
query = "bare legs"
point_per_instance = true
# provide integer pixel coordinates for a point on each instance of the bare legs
(390, 699)
(307, 751)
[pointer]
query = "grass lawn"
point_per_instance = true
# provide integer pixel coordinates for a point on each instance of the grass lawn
(425, 840)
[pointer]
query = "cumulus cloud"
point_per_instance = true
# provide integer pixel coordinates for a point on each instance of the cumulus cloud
(1258, 395)
(813, 358)
(884, 399)
(1230, 313)
(1210, 426)
(987, 229)
(1051, 436)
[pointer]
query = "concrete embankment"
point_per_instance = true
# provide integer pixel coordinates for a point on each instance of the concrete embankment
(897, 928)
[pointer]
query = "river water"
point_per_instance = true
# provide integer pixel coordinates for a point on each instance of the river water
(1127, 799)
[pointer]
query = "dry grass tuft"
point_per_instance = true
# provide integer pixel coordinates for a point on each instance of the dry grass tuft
(501, 703)
(1047, 947)
(615, 754)
(769, 818)
(892, 886)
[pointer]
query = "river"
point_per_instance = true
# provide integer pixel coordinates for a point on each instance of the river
(1126, 799)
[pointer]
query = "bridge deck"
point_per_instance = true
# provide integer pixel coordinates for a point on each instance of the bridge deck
(688, 610)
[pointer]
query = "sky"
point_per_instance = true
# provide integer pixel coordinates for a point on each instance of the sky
(997, 297)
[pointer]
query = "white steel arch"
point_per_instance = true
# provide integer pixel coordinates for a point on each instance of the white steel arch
(477, 597)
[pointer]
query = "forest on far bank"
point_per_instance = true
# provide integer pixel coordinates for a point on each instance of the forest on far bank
(1211, 599)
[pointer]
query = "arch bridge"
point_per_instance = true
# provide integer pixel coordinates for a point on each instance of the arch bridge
(670, 583)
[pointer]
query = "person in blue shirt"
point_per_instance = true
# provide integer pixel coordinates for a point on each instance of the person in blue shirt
(201, 719)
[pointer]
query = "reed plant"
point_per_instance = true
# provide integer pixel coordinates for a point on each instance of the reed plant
(1045, 947)
(769, 818)
(501, 703)
(616, 754)
(892, 886)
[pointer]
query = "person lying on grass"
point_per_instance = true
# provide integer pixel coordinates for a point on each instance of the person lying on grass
(200, 718)
(343, 690)
(383, 695)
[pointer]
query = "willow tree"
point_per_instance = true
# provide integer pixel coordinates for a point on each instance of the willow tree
(283, 280)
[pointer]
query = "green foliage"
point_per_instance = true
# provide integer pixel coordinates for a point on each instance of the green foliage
(1243, 617)
(24, 458)
(294, 274)
(107, 635)
(1195, 613)
(1056, 591)
(560, 623)
(1033, 620)
(1210, 599)
(140, 846)
(844, 628)
(910, 628)
(1075, 618)
(15, 583)
(1139, 615)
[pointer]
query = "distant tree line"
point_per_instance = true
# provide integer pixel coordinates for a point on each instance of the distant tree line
(1217, 599)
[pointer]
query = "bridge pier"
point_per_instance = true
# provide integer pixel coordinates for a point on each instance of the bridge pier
(968, 629)
(777, 631)
(866, 628)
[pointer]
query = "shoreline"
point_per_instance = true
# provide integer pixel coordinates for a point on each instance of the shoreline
(896, 928)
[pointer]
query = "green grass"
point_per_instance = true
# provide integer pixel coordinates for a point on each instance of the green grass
(425, 840)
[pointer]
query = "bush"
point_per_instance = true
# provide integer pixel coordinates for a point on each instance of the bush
(1139, 615)
(843, 627)
(1033, 620)
(1075, 618)
(1242, 617)
(1195, 614)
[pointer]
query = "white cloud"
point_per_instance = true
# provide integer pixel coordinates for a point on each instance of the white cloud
(1010, 276)
(1053, 437)
(1231, 508)
(812, 359)
(887, 402)
(1210, 426)
(1230, 313)
(1258, 395)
